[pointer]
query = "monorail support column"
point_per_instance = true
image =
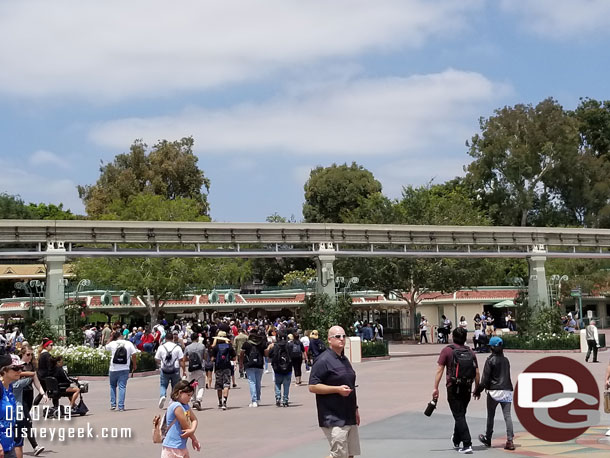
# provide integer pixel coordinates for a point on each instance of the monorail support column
(326, 273)
(537, 288)
(54, 292)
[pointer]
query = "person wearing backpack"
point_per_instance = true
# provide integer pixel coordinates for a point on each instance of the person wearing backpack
(121, 353)
(223, 355)
(297, 355)
(195, 356)
(281, 362)
(316, 346)
(169, 357)
(252, 356)
(462, 371)
(496, 380)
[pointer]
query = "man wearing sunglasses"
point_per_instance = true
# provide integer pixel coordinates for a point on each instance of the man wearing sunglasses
(333, 381)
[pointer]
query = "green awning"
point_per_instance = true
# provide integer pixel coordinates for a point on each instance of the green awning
(505, 303)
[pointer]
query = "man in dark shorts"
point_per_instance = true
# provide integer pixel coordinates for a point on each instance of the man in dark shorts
(458, 388)
(223, 354)
(333, 381)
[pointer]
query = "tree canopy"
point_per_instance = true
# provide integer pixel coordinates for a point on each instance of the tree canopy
(332, 192)
(168, 170)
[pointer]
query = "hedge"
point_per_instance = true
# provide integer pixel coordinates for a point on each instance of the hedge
(377, 348)
(561, 341)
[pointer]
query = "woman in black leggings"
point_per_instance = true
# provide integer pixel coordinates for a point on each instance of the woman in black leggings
(29, 370)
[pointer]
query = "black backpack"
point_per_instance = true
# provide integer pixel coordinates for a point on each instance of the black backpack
(463, 367)
(195, 363)
(281, 359)
(223, 356)
(120, 355)
(295, 349)
(254, 356)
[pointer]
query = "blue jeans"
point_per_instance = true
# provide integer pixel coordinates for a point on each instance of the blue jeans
(254, 375)
(282, 379)
(118, 378)
(166, 379)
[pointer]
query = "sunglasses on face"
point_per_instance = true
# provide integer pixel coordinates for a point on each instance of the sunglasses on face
(18, 368)
(339, 336)
(27, 354)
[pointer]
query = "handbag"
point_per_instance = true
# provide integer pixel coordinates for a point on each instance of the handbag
(80, 408)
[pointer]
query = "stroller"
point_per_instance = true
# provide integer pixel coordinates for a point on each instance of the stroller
(443, 334)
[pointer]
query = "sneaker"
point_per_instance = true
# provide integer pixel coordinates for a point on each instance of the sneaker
(484, 440)
(197, 405)
(253, 404)
(278, 403)
(112, 407)
(38, 450)
(466, 450)
(509, 445)
(285, 404)
(161, 402)
(121, 409)
(267, 371)
(224, 406)
(235, 385)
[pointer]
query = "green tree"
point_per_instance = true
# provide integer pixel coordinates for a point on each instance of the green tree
(332, 192)
(50, 211)
(322, 312)
(518, 157)
(169, 170)
(298, 278)
(12, 207)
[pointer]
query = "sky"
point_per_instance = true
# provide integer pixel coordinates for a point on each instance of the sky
(271, 89)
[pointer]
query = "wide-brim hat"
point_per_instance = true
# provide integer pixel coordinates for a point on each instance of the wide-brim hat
(222, 335)
(313, 333)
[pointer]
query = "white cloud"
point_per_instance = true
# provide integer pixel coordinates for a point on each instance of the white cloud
(34, 187)
(112, 49)
(362, 117)
(562, 19)
(42, 157)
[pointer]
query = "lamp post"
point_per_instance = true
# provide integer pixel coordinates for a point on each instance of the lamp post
(84, 282)
(23, 286)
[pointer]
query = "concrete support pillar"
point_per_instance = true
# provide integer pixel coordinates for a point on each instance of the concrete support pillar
(326, 273)
(537, 287)
(405, 322)
(54, 293)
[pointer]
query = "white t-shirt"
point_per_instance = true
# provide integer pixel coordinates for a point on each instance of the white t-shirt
(305, 341)
(112, 347)
(175, 349)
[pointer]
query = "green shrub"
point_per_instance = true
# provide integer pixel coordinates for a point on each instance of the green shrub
(377, 348)
(545, 341)
(321, 312)
(82, 360)
(36, 330)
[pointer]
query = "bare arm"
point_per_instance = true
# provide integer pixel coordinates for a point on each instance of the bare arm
(187, 430)
(320, 388)
(608, 376)
(437, 379)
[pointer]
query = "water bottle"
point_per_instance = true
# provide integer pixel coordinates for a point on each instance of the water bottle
(430, 408)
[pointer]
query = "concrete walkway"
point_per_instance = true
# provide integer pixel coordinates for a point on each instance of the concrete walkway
(392, 395)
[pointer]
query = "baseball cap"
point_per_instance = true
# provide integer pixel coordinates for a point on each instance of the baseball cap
(16, 361)
(496, 342)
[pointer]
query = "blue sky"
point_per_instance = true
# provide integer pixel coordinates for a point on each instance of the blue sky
(271, 89)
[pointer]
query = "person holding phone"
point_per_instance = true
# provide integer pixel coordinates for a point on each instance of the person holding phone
(333, 381)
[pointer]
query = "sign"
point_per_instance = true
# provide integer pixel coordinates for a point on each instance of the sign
(557, 399)
(589, 314)
(575, 293)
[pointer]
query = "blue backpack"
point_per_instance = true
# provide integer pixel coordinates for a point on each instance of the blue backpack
(223, 356)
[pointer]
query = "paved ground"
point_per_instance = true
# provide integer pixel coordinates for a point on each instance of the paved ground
(392, 395)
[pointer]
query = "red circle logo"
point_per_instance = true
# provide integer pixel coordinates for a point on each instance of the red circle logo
(557, 399)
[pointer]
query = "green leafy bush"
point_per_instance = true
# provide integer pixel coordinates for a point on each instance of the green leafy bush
(376, 348)
(36, 330)
(82, 360)
(544, 341)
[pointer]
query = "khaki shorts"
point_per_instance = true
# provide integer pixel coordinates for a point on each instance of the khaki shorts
(344, 440)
